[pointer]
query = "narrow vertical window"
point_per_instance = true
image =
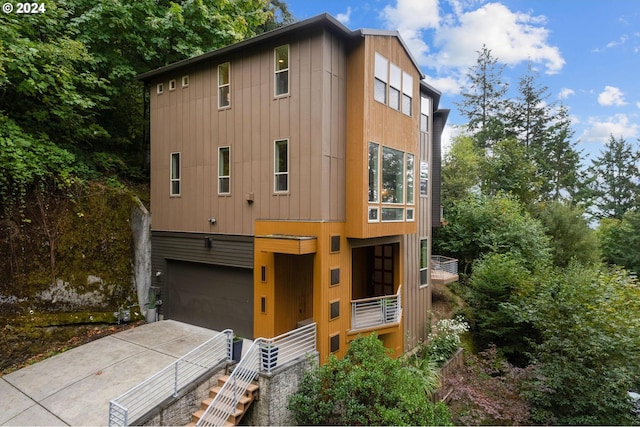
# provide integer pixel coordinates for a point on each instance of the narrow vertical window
(224, 85)
(424, 261)
(407, 93)
(223, 170)
(281, 163)
(175, 174)
(425, 106)
(160, 89)
(424, 178)
(381, 78)
(172, 85)
(395, 82)
(281, 57)
(373, 171)
(410, 178)
(185, 81)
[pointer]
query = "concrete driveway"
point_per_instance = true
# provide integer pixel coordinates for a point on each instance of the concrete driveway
(74, 388)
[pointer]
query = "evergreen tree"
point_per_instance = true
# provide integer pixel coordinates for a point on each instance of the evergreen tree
(614, 179)
(483, 100)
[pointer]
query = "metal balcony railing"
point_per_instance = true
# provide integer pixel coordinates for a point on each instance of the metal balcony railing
(139, 400)
(443, 267)
(263, 356)
(376, 311)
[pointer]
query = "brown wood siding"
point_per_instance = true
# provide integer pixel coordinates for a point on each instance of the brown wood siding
(372, 121)
(311, 117)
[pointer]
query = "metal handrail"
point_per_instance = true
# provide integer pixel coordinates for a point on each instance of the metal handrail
(376, 311)
(443, 263)
(137, 401)
(260, 357)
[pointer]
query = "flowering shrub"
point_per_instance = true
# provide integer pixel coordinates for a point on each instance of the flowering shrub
(444, 341)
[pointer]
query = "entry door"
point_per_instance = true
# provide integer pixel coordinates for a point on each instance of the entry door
(383, 272)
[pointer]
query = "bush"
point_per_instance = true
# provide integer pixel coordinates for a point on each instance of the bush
(444, 341)
(366, 387)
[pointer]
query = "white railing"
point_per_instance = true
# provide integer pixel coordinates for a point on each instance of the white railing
(139, 400)
(376, 311)
(263, 356)
(441, 265)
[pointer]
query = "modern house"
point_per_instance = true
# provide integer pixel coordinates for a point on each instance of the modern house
(295, 178)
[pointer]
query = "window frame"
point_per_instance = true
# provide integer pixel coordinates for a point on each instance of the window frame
(407, 93)
(172, 85)
(185, 81)
(221, 176)
(424, 268)
(395, 87)
(381, 76)
(425, 107)
(159, 88)
(398, 178)
(277, 173)
(277, 71)
(173, 179)
(223, 86)
(410, 175)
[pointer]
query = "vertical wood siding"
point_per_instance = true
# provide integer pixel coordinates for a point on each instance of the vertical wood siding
(312, 118)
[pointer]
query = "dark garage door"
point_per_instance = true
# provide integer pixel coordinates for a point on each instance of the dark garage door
(211, 296)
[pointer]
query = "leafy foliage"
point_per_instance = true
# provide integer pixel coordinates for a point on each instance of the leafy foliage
(480, 224)
(444, 340)
(618, 237)
(588, 356)
(366, 387)
(461, 170)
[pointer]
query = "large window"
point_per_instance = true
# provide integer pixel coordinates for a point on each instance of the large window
(392, 176)
(175, 175)
(407, 93)
(381, 78)
(410, 178)
(281, 57)
(374, 173)
(281, 163)
(224, 175)
(224, 85)
(424, 262)
(395, 83)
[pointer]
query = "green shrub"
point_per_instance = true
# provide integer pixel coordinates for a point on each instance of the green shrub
(366, 387)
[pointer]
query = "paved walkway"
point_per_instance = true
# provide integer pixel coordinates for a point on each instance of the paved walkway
(74, 388)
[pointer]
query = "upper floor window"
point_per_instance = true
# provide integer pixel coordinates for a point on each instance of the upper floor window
(281, 58)
(407, 93)
(392, 175)
(224, 85)
(410, 169)
(395, 83)
(281, 166)
(175, 175)
(160, 89)
(424, 178)
(224, 175)
(374, 171)
(381, 78)
(425, 108)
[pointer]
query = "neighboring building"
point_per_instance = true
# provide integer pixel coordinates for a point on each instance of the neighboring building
(290, 182)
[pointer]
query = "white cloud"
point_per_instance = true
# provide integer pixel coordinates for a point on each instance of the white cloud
(565, 93)
(513, 37)
(411, 18)
(600, 129)
(344, 17)
(447, 85)
(611, 96)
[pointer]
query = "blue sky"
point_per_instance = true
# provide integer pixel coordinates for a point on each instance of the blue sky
(587, 52)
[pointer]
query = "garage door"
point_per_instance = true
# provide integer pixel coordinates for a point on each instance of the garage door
(211, 296)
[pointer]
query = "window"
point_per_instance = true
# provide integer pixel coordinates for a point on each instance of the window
(407, 93)
(424, 178)
(281, 163)
(223, 170)
(224, 85)
(172, 84)
(185, 81)
(392, 214)
(334, 311)
(175, 174)
(392, 176)
(425, 107)
(410, 168)
(381, 78)
(281, 57)
(373, 171)
(395, 80)
(160, 89)
(424, 261)
(373, 214)
(410, 214)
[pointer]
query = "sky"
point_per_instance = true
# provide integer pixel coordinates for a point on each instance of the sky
(586, 52)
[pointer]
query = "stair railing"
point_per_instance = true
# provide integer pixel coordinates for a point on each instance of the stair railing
(260, 357)
(130, 406)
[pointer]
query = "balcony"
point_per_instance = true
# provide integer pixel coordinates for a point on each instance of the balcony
(376, 312)
(443, 270)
